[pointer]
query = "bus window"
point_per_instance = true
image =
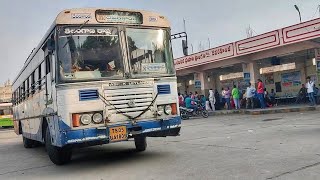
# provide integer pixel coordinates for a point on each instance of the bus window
(39, 76)
(150, 51)
(32, 83)
(48, 64)
(27, 87)
(36, 79)
(23, 90)
(90, 56)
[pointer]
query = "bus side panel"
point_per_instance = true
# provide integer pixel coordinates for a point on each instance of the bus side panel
(35, 123)
(16, 127)
(16, 123)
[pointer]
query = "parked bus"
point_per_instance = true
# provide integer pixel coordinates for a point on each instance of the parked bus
(98, 76)
(6, 115)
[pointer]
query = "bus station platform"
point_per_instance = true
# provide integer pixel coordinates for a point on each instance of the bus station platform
(271, 110)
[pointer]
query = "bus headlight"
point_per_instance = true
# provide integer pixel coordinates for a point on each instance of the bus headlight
(167, 109)
(160, 110)
(85, 119)
(97, 118)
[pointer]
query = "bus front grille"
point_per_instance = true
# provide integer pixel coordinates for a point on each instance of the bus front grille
(131, 102)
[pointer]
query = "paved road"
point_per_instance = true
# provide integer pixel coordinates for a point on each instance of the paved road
(279, 146)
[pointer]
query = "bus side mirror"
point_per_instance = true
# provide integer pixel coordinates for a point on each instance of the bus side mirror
(51, 45)
(185, 47)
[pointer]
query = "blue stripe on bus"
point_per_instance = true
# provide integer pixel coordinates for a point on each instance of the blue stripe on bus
(94, 134)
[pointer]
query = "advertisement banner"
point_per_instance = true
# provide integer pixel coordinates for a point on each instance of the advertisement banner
(197, 84)
(291, 79)
(269, 79)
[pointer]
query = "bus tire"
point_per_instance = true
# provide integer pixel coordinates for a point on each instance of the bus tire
(27, 143)
(141, 143)
(57, 155)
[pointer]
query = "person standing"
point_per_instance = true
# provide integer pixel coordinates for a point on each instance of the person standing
(310, 91)
(223, 98)
(196, 96)
(212, 100)
(260, 91)
(236, 96)
(181, 100)
(227, 95)
(218, 100)
(315, 93)
(250, 94)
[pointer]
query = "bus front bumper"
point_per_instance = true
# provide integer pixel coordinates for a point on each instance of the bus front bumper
(96, 136)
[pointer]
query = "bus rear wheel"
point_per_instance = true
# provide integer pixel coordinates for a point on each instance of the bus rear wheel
(57, 155)
(141, 143)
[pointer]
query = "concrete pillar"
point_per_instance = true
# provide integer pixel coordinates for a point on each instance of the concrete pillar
(253, 69)
(203, 78)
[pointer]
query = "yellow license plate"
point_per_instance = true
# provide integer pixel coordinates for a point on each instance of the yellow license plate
(118, 133)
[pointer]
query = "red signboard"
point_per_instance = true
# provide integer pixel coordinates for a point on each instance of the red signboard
(292, 34)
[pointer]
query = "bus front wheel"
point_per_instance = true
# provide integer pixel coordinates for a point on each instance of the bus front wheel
(141, 143)
(57, 155)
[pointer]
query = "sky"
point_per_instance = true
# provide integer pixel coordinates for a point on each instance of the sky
(24, 23)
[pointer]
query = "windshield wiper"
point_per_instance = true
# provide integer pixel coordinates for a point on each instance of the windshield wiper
(80, 27)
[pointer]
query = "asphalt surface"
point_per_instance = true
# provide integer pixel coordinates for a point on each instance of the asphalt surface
(274, 146)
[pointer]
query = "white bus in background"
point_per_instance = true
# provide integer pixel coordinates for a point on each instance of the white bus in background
(98, 76)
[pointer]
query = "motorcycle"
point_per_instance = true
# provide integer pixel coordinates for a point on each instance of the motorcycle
(186, 113)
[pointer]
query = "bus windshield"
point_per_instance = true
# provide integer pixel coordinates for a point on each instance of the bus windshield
(89, 53)
(150, 52)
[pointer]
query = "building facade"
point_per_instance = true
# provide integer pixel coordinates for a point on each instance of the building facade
(6, 92)
(282, 59)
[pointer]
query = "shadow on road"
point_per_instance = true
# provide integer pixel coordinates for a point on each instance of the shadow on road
(110, 155)
(103, 157)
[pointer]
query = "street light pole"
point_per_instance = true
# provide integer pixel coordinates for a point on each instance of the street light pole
(297, 8)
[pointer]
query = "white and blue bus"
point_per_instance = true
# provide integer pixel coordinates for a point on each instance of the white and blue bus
(98, 76)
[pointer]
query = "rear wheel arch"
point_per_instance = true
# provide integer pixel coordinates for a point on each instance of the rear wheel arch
(44, 127)
(20, 127)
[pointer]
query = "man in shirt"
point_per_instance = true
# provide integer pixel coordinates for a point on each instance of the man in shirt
(190, 103)
(260, 91)
(236, 96)
(249, 95)
(310, 91)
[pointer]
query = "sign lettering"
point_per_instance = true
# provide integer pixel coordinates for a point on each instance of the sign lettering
(202, 57)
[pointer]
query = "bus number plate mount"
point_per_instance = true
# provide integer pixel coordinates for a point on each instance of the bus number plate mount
(118, 133)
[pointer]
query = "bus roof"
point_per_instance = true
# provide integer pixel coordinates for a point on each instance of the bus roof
(78, 16)
(81, 15)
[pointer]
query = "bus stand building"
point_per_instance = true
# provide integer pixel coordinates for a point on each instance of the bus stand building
(282, 59)
(6, 92)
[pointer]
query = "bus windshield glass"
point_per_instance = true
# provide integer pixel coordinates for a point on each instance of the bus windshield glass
(150, 52)
(89, 53)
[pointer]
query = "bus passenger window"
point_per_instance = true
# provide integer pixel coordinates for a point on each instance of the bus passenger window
(23, 91)
(28, 87)
(32, 83)
(39, 77)
(48, 64)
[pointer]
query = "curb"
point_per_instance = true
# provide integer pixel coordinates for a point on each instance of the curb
(266, 111)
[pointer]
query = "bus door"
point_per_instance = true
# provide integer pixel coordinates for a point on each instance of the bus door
(48, 94)
(50, 74)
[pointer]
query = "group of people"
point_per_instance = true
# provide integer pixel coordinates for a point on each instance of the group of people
(252, 97)
(310, 91)
(191, 100)
(248, 98)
